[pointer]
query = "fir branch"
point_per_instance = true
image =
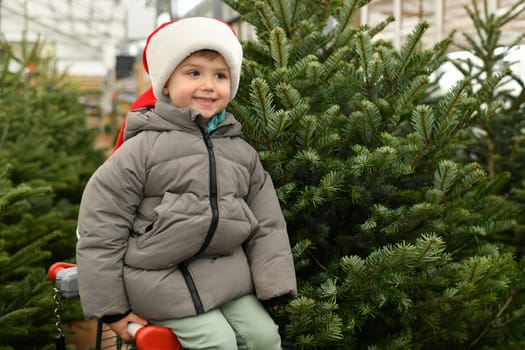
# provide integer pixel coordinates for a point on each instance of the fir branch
(308, 126)
(279, 47)
(314, 72)
(388, 61)
(372, 117)
(512, 13)
(439, 51)
(344, 40)
(484, 93)
(474, 14)
(378, 28)
(423, 122)
(19, 192)
(409, 48)
(469, 175)
(335, 62)
(346, 15)
(491, 324)
(445, 175)
(296, 71)
(409, 94)
(16, 320)
(282, 9)
(325, 129)
(261, 99)
(278, 123)
(289, 97)
(306, 42)
(27, 256)
(451, 102)
(365, 54)
(267, 15)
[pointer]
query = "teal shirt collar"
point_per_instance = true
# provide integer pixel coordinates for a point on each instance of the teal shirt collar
(214, 121)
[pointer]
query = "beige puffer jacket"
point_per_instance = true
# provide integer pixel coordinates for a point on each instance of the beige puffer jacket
(179, 221)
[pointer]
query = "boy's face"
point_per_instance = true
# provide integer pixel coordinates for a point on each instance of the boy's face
(201, 82)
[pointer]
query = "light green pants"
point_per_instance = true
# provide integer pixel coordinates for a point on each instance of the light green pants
(241, 324)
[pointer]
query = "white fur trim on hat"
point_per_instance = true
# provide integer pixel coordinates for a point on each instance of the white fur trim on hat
(174, 41)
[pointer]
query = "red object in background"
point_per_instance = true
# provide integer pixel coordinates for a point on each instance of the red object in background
(31, 68)
(53, 270)
(147, 99)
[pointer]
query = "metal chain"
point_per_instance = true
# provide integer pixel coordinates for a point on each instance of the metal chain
(58, 323)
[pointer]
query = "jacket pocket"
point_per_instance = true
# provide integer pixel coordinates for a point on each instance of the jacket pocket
(173, 232)
(145, 215)
(236, 224)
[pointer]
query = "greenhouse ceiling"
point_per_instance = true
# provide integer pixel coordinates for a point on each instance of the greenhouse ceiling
(83, 31)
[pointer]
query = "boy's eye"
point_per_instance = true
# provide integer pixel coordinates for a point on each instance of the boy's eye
(194, 73)
(221, 76)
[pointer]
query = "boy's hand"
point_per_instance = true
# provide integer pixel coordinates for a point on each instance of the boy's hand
(121, 327)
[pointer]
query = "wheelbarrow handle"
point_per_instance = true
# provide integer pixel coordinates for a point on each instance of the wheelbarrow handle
(153, 337)
(56, 268)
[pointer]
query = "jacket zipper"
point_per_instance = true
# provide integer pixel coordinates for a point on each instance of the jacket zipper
(192, 288)
(194, 293)
(213, 192)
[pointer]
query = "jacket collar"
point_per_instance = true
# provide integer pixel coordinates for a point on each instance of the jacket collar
(166, 117)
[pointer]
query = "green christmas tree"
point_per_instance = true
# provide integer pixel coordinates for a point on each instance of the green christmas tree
(24, 293)
(497, 140)
(46, 141)
(396, 238)
(46, 156)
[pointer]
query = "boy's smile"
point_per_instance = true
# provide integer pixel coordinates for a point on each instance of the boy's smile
(202, 81)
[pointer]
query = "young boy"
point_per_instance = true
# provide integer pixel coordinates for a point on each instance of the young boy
(181, 226)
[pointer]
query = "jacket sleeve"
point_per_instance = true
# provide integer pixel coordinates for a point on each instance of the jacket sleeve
(106, 215)
(268, 249)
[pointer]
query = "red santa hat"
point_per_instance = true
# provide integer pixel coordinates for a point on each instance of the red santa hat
(172, 42)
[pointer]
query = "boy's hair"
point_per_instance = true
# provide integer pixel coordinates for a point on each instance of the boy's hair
(172, 42)
(206, 53)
